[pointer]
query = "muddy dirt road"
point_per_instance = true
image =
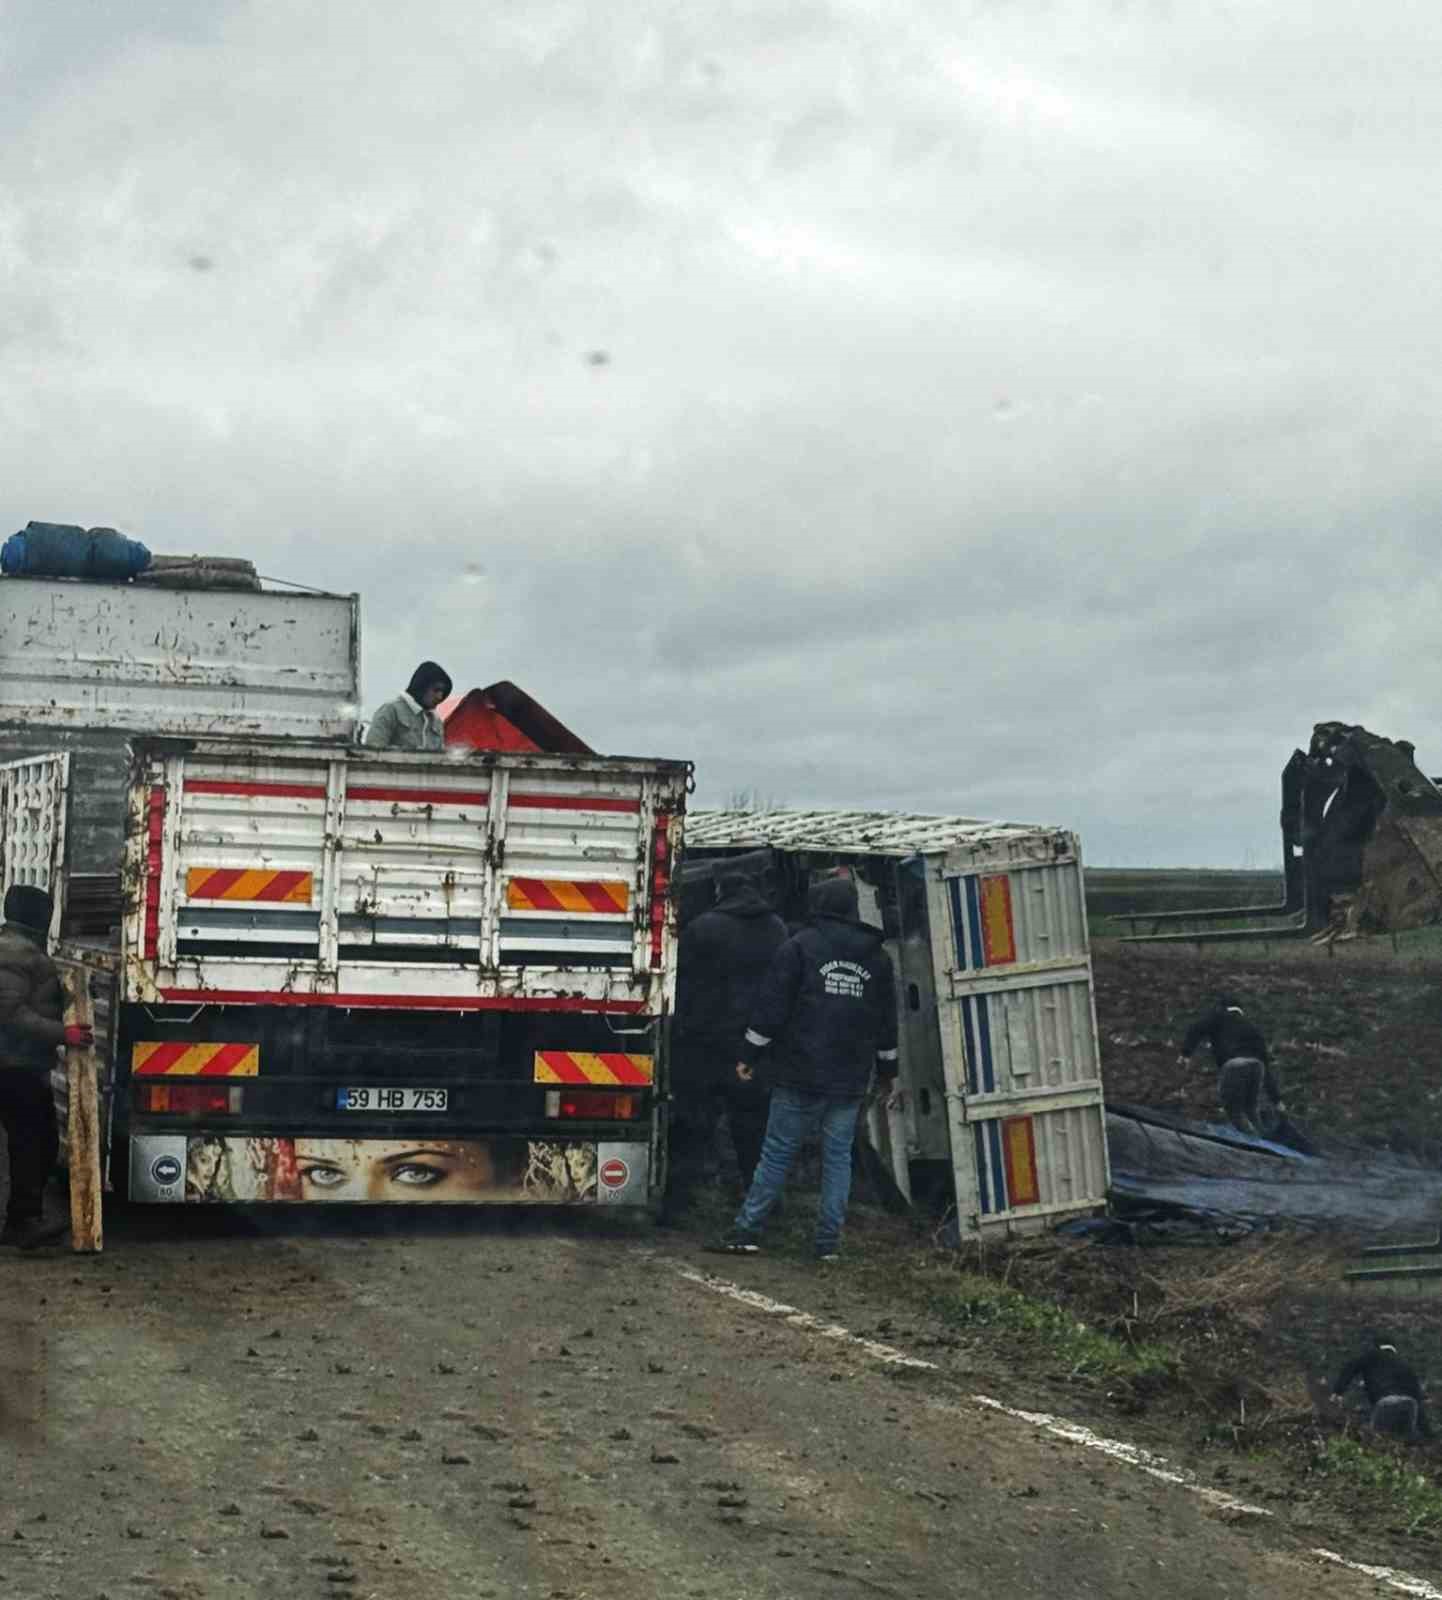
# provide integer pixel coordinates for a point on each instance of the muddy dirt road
(516, 1408)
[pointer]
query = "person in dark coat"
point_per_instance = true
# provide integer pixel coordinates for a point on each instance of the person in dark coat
(1393, 1389)
(409, 722)
(1244, 1067)
(825, 1019)
(31, 1030)
(724, 954)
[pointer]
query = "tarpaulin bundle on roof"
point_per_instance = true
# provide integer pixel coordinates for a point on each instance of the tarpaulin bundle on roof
(200, 572)
(65, 550)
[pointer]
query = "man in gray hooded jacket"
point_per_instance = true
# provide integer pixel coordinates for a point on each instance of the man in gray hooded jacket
(409, 722)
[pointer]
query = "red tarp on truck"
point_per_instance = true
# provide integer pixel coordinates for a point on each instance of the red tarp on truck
(504, 717)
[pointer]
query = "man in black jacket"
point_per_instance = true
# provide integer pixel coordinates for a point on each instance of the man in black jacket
(827, 1015)
(724, 955)
(31, 1030)
(1393, 1390)
(1243, 1064)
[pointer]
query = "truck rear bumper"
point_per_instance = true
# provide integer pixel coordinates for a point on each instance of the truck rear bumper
(203, 1167)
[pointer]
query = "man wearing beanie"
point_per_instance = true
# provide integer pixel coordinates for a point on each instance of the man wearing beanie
(31, 1030)
(725, 954)
(825, 1017)
(409, 722)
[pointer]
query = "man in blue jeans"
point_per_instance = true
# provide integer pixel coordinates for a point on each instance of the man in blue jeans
(827, 1015)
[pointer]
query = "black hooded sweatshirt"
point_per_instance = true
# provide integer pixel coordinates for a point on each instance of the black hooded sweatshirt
(1230, 1034)
(724, 955)
(827, 1007)
(1383, 1372)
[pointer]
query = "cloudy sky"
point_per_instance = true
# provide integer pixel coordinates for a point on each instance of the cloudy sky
(1020, 409)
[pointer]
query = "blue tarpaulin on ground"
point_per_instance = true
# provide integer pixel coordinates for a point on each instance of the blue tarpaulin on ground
(1213, 1173)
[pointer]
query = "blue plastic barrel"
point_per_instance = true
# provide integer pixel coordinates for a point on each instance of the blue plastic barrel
(61, 550)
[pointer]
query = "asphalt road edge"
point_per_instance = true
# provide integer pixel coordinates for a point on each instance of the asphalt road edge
(1119, 1450)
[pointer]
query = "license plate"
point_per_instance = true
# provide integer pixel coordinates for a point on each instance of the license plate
(389, 1100)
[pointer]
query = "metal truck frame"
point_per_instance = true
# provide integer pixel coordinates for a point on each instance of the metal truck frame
(359, 975)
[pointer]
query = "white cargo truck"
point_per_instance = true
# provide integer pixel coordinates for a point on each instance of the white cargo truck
(337, 974)
(355, 975)
(376, 976)
(986, 927)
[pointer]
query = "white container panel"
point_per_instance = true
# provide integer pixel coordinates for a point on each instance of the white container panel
(200, 662)
(1030, 917)
(1028, 1039)
(1039, 1165)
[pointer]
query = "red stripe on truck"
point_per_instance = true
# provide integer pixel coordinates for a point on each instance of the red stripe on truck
(575, 802)
(154, 842)
(277, 791)
(420, 797)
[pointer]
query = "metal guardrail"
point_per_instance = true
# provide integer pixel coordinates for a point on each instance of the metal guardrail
(1296, 927)
(1404, 1267)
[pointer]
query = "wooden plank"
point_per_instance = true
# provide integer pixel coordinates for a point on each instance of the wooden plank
(83, 1070)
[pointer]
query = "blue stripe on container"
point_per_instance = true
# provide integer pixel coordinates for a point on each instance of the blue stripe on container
(979, 1139)
(970, 1034)
(956, 924)
(998, 1166)
(988, 1065)
(973, 921)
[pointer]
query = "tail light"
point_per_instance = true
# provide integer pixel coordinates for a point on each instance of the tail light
(595, 1105)
(191, 1099)
(660, 884)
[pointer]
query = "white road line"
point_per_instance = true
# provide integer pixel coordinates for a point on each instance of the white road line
(804, 1320)
(1130, 1455)
(1403, 1582)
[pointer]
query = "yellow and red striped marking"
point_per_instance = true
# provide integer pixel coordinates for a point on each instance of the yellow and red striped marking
(581, 1066)
(260, 883)
(177, 1059)
(567, 894)
(998, 931)
(1018, 1148)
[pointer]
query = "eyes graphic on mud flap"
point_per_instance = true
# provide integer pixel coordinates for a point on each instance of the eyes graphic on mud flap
(344, 1169)
(412, 1174)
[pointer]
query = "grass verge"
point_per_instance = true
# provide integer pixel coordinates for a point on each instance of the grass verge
(1385, 1475)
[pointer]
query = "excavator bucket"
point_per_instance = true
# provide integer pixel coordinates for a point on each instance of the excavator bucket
(1361, 847)
(1380, 864)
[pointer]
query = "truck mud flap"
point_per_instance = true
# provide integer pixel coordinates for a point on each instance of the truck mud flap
(208, 1167)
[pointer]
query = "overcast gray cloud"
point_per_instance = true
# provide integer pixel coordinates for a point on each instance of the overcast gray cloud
(1027, 410)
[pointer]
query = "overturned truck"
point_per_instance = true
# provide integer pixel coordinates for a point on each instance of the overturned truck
(985, 923)
(1361, 847)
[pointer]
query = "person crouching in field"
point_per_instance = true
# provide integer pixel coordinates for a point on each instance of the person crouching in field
(1244, 1068)
(1394, 1391)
